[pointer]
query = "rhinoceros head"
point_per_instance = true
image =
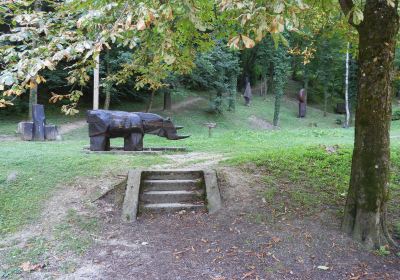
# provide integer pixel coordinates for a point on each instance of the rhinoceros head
(157, 125)
(169, 130)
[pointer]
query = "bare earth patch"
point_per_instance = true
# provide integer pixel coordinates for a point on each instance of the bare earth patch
(258, 123)
(66, 128)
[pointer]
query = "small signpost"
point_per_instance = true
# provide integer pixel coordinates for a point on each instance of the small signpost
(210, 126)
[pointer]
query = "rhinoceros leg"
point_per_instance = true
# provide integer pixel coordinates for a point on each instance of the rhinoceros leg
(99, 143)
(134, 142)
(108, 145)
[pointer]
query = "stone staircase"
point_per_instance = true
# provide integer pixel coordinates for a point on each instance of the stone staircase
(171, 191)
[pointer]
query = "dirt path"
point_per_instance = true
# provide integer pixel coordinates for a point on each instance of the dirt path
(258, 123)
(186, 103)
(66, 128)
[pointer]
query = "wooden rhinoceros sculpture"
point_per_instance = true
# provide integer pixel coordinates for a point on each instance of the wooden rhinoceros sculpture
(104, 124)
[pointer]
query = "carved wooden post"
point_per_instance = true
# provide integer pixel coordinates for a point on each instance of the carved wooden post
(38, 122)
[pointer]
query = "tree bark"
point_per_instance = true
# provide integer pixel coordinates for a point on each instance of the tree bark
(96, 82)
(305, 78)
(365, 211)
(325, 97)
(232, 93)
(277, 108)
(33, 91)
(167, 100)
(346, 87)
(108, 87)
(270, 81)
(150, 104)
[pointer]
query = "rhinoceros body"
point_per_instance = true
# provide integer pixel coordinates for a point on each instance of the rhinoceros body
(105, 124)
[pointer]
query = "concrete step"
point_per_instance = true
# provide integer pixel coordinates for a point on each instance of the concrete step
(171, 185)
(151, 197)
(172, 207)
(172, 175)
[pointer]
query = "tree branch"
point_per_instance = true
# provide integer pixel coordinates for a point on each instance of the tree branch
(347, 6)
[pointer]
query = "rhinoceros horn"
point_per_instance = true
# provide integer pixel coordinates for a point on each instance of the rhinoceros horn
(178, 137)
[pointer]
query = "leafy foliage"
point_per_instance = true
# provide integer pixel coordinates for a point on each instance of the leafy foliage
(217, 71)
(164, 36)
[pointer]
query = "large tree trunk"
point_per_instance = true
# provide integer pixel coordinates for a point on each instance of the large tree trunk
(365, 212)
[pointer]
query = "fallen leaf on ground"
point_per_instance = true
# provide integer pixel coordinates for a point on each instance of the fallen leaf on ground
(323, 267)
(276, 239)
(248, 274)
(28, 267)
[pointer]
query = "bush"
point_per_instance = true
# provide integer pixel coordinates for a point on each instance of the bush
(396, 115)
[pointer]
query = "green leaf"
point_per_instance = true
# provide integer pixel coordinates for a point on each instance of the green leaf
(358, 16)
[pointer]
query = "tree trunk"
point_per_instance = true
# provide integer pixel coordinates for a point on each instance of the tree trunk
(33, 91)
(346, 86)
(270, 82)
(107, 88)
(294, 67)
(96, 82)
(167, 100)
(365, 211)
(277, 108)
(107, 99)
(232, 93)
(150, 104)
(305, 78)
(325, 97)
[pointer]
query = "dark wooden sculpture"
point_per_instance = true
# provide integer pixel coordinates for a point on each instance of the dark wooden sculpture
(104, 124)
(37, 129)
(302, 97)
